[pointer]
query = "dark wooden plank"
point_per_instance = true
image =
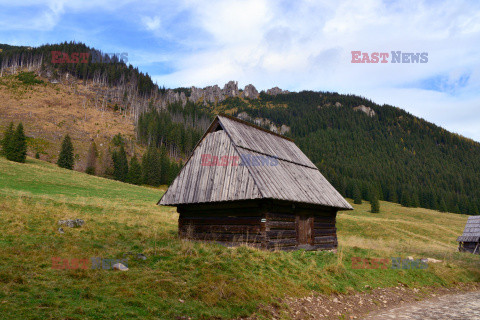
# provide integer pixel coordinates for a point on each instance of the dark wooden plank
(248, 229)
(238, 212)
(221, 221)
(328, 213)
(220, 215)
(223, 237)
(324, 231)
(321, 225)
(326, 218)
(281, 242)
(275, 216)
(279, 234)
(325, 239)
(281, 225)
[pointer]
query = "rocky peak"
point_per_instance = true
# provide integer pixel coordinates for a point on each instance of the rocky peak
(250, 92)
(196, 94)
(214, 94)
(230, 89)
(172, 96)
(276, 90)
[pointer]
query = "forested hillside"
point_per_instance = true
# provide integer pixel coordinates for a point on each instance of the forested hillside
(401, 157)
(361, 147)
(100, 66)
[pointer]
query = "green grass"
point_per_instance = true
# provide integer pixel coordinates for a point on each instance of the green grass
(181, 278)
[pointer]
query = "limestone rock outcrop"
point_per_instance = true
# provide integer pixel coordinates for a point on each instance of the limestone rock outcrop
(369, 111)
(276, 90)
(250, 92)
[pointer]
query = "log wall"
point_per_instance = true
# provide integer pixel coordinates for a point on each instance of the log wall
(269, 227)
(227, 226)
(280, 231)
(325, 232)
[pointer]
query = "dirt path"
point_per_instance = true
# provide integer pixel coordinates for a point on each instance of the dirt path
(451, 306)
(458, 302)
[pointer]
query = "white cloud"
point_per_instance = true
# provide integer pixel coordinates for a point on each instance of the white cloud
(152, 23)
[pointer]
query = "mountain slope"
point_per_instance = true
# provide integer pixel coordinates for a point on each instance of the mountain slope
(49, 111)
(356, 143)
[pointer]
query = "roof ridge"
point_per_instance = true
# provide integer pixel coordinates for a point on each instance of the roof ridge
(253, 125)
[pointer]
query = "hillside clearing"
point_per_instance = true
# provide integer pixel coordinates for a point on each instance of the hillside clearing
(49, 111)
(181, 278)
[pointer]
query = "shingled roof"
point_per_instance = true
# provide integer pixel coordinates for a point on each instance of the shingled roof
(471, 233)
(291, 176)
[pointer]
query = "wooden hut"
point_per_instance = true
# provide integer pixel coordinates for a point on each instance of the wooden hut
(469, 241)
(245, 184)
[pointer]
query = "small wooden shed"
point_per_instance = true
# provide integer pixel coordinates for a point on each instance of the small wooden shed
(469, 241)
(244, 184)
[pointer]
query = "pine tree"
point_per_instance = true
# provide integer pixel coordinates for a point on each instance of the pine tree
(164, 166)
(472, 209)
(456, 209)
(134, 172)
(415, 202)
(7, 140)
(406, 198)
(392, 194)
(66, 159)
(18, 146)
(107, 164)
(350, 188)
(151, 172)
(120, 164)
(343, 187)
(374, 203)
(92, 159)
(357, 195)
(442, 207)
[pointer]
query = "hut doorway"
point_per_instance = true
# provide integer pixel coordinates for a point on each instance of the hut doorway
(304, 229)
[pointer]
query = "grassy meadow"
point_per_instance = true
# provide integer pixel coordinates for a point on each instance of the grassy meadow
(181, 279)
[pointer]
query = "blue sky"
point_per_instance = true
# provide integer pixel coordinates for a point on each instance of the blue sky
(295, 45)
